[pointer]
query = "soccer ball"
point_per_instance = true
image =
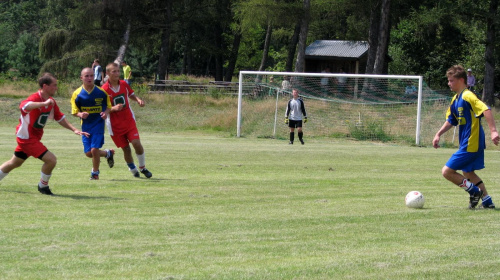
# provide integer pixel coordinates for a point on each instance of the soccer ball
(415, 199)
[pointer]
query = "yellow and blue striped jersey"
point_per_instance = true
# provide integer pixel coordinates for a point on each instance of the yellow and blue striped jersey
(466, 111)
(93, 102)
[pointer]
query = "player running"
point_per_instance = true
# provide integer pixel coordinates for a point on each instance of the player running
(92, 105)
(35, 111)
(121, 122)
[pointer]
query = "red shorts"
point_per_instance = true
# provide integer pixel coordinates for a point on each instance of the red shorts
(122, 140)
(34, 148)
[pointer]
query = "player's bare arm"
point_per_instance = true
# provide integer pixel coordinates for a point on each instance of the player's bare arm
(116, 108)
(64, 123)
(82, 115)
(105, 113)
(36, 105)
(491, 124)
(138, 100)
(446, 126)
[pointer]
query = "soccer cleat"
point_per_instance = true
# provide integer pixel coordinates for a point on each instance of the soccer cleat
(146, 173)
(137, 174)
(110, 157)
(94, 176)
(488, 206)
(290, 143)
(474, 199)
(45, 190)
(301, 141)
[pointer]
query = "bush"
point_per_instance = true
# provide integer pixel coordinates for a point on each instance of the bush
(370, 131)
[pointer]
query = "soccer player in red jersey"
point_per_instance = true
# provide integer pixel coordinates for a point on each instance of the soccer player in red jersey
(35, 111)
(121, 122)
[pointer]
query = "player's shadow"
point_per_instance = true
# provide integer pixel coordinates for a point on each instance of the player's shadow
(478, 208)
(76, 197)
(79, 197)
(156, 180)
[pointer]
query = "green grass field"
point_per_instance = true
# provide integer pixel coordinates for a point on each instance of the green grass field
(219, 207)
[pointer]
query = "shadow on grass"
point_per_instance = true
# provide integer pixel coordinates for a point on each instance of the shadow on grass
(142, 178)
(76, 197)
(478, 208)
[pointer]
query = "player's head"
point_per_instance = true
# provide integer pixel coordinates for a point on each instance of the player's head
(96, 61)
(113, 71)
(124, 63)
(295, 93)
(87, 76)
(456, 71)
(46, 79)
(456, 78)
(48, 83)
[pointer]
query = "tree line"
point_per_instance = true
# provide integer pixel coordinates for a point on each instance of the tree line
(218, 38)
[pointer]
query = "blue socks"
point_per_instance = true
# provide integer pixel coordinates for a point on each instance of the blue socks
(487, 201)
(131, 165)
(469, 187)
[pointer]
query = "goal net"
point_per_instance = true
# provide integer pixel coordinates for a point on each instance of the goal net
(388, 108)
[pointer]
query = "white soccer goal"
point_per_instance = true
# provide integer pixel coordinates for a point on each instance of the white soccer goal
(365, 107)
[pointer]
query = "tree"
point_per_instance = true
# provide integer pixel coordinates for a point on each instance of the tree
(19, 22)
(267, 42)
(23, 55)
(373, 36)
(222, 16)
(292, 46)
(161, 72)
(383, 38)
(7, 33)
(233, 54)
(430, 41)
(304, 28)
(489, 75)
(95, 30)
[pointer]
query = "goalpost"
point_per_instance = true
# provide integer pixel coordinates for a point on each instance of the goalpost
(360, 106)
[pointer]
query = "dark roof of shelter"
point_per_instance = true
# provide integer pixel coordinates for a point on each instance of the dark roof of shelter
(335, 48)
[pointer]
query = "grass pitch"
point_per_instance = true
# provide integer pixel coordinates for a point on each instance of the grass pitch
(227, 208)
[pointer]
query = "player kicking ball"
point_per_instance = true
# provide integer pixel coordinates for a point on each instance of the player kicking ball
(466, 111)
(121, 122)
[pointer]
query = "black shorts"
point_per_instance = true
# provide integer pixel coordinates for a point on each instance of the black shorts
(22, 155)
(294, 124)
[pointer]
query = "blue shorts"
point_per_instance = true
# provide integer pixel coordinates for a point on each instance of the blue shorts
(94, 141)
(466, 161)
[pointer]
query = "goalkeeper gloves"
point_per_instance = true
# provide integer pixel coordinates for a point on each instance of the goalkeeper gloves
(286, 120)
(305, 119)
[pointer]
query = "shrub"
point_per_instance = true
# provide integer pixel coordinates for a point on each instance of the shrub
(370, 130)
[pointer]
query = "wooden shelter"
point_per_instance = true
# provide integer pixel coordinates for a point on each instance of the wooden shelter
(351, 56)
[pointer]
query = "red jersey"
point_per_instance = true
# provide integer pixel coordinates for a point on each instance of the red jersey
(122, 121)
(31, 123)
